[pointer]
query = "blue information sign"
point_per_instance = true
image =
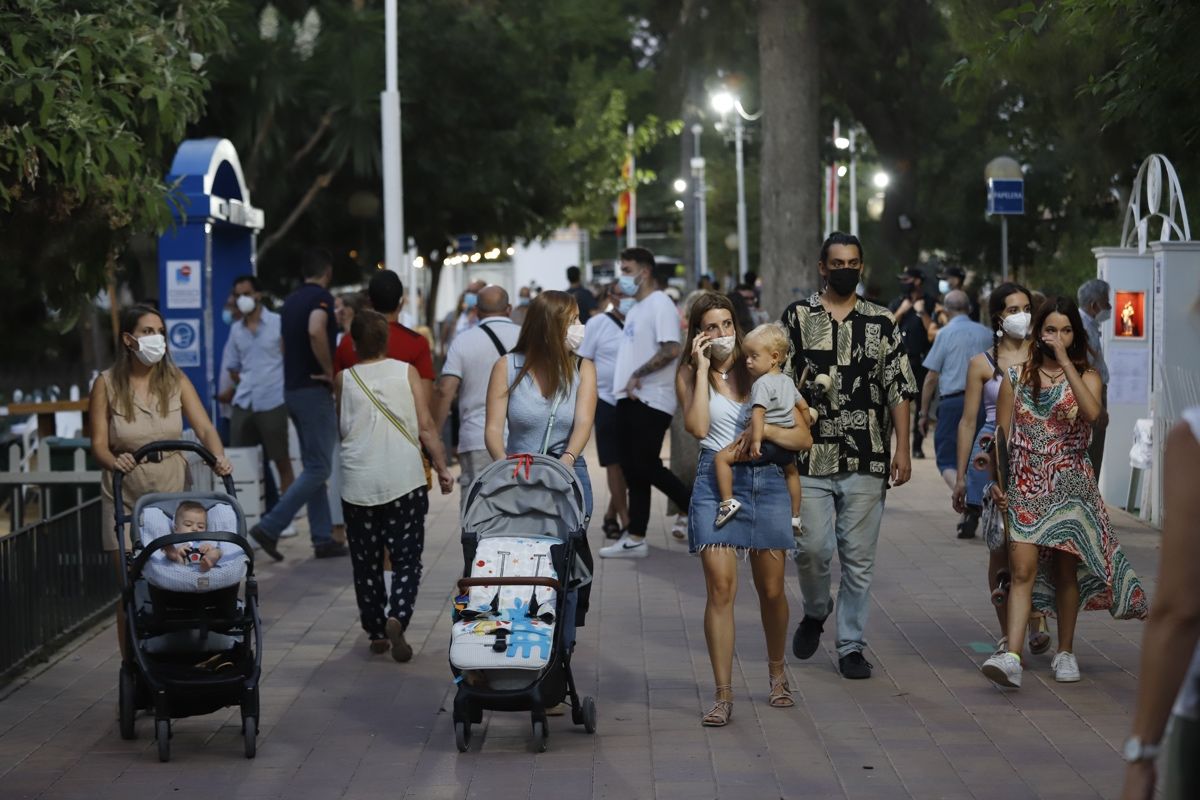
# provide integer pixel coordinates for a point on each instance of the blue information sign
(1006, 196)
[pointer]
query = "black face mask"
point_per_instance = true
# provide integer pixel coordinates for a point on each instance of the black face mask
(844, 281)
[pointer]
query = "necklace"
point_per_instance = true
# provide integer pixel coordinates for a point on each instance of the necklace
(724, 375)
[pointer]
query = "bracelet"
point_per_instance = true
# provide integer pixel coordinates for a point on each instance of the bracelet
(572, 455)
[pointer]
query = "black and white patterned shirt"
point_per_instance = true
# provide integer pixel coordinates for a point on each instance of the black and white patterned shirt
(864, 356)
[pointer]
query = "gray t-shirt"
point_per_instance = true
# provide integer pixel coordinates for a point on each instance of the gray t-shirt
(777, 393)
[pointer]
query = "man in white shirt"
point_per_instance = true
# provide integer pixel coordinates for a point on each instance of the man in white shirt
(644, 388)
(601, 340)
(468, 367)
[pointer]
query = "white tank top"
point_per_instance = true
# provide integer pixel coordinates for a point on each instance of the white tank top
(724, 421)
(379, 463)
(1187, 705)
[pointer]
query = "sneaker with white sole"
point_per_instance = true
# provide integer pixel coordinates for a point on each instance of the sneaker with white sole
(679, 530)
(626, 547)
(1066, 668)
(1004, 669)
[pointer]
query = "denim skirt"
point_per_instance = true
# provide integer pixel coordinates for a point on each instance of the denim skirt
(764, 522)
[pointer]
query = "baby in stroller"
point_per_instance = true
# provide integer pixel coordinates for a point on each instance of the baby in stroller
(191, 517)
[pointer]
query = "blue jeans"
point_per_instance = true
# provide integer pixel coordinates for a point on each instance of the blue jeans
(312, 413)
(843, 510)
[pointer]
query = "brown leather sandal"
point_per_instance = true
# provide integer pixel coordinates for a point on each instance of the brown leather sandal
(718, 716)
(780, 695)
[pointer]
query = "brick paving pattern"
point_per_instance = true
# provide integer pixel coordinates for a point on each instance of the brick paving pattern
(339, 723)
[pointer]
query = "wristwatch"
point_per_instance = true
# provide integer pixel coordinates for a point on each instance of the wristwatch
(1136, 750)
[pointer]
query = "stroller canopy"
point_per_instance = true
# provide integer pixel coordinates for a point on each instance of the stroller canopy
(525, 495)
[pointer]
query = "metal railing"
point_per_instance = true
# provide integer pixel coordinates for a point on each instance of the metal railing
(55, 578)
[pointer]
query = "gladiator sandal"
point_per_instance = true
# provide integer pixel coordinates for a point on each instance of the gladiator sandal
(780, 695)
(718, 716)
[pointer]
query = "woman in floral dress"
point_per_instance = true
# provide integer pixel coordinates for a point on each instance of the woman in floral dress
(1062, 550)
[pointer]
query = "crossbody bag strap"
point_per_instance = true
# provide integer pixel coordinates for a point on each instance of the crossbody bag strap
(616, 320)
(392, 418)
(500, 348)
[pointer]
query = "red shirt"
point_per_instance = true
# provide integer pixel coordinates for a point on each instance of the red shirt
(404, 344)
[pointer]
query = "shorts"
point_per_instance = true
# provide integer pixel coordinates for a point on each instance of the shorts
(269, 428)
(608, 450)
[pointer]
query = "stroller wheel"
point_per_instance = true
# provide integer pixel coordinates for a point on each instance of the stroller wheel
(162, 731)
(126, 703)
(249, 736)
(589, 715)
(540, 735)
(462, 736)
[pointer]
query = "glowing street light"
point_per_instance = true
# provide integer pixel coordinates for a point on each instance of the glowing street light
(679, 204)
(680, 185)
(841, 143)
(881, 180)
(723, 102)
(842, 171)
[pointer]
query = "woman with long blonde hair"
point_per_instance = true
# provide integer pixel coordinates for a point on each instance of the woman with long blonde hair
(546, 395)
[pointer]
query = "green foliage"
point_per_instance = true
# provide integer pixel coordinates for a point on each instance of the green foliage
(94, 98)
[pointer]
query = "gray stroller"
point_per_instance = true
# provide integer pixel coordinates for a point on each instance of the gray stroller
(525, 566)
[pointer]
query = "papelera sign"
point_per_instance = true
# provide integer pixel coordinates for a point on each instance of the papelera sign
(1006, 196)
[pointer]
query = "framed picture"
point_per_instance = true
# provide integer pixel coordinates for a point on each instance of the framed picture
(1129, 315)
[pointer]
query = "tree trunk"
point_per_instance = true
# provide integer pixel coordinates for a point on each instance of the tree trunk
(791, 160)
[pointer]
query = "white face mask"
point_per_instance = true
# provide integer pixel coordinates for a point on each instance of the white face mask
(151, 349)
(246, 304)
(574, 336)
(721, 348)
(1017, 325)
(943, 286)
(1104, 315)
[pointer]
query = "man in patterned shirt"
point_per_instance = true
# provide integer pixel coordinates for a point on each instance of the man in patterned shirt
(846, 473)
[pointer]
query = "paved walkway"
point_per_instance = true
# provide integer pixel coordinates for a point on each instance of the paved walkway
(339, 723)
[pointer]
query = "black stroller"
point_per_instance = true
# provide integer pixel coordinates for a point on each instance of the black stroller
(515, 610)
(194, 646)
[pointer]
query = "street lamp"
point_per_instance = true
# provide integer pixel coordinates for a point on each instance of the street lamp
(881, 180)
(680, 186)
(724, 102)
(697, 165)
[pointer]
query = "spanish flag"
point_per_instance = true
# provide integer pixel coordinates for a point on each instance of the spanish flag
(624, 200)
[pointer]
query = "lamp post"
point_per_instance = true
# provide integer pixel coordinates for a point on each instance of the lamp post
(848, 143)
(725, 102)
(393, 183)
(699, 194)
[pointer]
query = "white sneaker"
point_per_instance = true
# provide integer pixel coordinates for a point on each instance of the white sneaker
(1066, 668)
(1003, 669)
(679, 531)
(288, 532)
(626, 547)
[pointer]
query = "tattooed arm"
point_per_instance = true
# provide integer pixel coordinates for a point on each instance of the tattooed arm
(667, 353)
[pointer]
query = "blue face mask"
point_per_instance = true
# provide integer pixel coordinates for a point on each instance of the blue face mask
(471, 299)
(522, 301)
(626, 304)
(227, 316)
(628, 284)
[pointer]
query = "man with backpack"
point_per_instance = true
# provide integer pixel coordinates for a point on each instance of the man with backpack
(465, 374)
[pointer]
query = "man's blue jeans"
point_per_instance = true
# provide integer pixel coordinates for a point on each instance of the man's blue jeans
(312, 413)
(842, 510)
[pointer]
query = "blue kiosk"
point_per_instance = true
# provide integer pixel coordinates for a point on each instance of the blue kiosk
(213, 242)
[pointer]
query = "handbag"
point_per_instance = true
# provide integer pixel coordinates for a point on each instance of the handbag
(392, 418)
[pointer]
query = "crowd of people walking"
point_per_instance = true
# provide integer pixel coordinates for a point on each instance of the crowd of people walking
(802, 427)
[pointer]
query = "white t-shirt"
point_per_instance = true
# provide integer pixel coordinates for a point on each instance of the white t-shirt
(601, 340)
(471, 357)
(650, 323)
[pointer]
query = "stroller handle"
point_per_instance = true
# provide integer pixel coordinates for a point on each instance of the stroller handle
(466, 583)
(167, 446)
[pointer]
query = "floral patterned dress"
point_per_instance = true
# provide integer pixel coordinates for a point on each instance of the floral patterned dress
(1054, 503)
